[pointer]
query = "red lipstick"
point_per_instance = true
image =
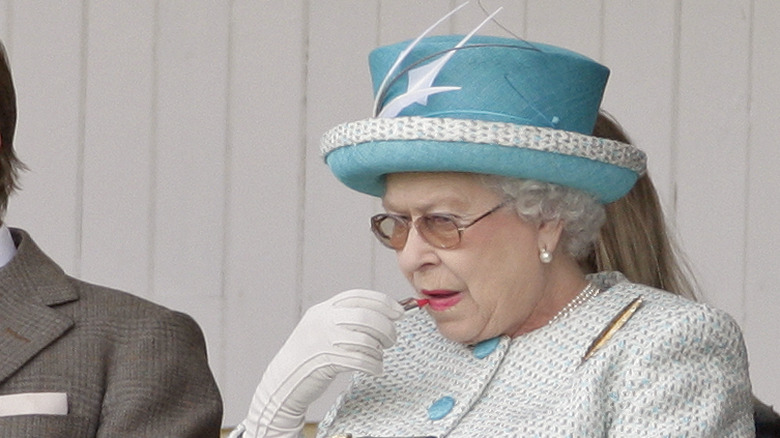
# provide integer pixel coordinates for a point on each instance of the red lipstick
(412, 303)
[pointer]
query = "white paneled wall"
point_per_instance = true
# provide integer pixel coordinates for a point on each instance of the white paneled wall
(173, 148)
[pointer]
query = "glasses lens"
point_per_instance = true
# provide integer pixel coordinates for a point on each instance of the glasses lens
(439, 231)
(391, 231)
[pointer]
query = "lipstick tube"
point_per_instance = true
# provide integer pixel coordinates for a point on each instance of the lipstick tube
(412, 303)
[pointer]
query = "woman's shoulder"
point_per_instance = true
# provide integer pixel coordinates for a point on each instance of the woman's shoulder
(665, 318)
(673, 348)
(656, 303)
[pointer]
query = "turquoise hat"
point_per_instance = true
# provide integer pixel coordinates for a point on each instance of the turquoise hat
(488, 105)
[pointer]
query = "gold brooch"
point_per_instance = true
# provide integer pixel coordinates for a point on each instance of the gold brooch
(617, 322)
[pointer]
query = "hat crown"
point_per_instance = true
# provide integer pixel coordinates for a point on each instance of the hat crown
(486, 105)
(495, 79)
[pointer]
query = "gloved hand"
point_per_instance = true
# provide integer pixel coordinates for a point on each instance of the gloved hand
(346, 333)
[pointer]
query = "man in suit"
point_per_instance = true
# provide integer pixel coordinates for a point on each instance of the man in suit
(79, 360)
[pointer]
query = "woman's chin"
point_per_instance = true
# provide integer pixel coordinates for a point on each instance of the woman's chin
(456, 332)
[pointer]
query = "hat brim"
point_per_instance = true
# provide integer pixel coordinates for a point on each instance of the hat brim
(362, 153)
(363, 167)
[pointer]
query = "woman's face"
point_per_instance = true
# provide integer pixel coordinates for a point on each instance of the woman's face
(492, 282)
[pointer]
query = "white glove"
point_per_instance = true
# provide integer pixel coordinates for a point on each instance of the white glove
(346, 333)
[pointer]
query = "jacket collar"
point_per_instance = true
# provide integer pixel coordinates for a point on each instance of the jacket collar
(32, 276)
(7, 246)
(29, 285)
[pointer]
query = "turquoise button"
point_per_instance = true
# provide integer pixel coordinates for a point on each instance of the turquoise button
(440, 408)
(484, 348)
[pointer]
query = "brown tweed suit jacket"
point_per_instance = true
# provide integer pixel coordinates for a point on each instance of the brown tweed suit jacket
(129, 368)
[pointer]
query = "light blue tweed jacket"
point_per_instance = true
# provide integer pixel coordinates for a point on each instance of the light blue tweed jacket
(676, 369)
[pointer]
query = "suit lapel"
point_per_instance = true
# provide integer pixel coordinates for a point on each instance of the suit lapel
(29, 285)
(26, 329)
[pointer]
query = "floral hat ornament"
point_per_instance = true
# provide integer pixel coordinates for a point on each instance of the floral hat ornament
(483, 104)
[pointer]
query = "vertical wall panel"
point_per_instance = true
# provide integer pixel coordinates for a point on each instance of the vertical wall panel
(118, 121)
(574, 25)
(511, 17)
(337, 251)
(191, 61)
(265, 191)
(47, 68)
(190, 153)
(639, 48)
(5, 22)
(762, 261)
(402, 20)
(711, 159)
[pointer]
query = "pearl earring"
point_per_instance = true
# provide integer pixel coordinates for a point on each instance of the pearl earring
(545, 256)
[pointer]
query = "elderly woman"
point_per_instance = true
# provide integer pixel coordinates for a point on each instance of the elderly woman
(493, 191)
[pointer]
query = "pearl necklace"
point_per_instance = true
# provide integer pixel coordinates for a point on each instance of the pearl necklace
(589, 292)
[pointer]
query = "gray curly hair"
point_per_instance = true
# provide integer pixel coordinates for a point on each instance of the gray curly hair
(538, 202)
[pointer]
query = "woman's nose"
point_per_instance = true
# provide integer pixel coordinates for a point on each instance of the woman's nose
(417, 252)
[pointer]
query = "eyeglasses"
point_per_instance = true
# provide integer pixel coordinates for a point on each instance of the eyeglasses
(439, 230)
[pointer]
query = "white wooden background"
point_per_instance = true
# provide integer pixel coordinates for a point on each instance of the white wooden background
(172, 147)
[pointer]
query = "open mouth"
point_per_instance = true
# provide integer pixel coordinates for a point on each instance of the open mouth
(439, 300)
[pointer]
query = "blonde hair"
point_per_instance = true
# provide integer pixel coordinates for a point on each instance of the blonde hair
(635, 239)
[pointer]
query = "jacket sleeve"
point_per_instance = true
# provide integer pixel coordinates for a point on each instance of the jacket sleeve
(691, 379)
(158, 382)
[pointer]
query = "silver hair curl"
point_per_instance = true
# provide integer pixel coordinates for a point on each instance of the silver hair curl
(538, 202)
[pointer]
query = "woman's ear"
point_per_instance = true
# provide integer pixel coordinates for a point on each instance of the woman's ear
(550, 235)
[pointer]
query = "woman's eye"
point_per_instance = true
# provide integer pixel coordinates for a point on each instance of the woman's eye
(439, 221)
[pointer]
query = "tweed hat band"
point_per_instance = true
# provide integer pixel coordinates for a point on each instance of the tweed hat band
(484, 132)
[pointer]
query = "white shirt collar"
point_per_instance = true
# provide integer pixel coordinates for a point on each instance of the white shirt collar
(7, 247)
